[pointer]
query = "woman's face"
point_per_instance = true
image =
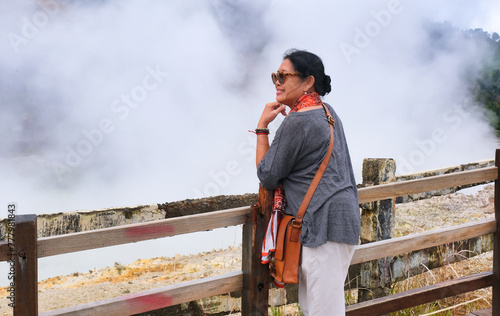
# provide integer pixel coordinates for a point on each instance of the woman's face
(292, 88)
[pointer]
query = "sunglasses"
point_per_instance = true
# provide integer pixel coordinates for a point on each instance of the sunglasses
(281, 76)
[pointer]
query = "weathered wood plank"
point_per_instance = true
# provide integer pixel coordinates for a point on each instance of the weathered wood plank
(255, 294)
(4, 251)
(55, 245)
(158, 229)
(440, 171)
(418, 261)
(26, 265)
(391, 190)
(430, 293)
(157, 298)
(496, 243)
(412, 242)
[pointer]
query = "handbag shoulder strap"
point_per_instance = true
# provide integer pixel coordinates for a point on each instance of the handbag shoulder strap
(319, 173)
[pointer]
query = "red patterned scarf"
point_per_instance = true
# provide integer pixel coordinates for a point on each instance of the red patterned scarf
(307, 99)
(269, 243)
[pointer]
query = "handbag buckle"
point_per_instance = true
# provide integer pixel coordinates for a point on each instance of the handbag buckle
(330, 119)
(296, 226)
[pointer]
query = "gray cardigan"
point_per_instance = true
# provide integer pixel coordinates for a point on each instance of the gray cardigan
(295, 154)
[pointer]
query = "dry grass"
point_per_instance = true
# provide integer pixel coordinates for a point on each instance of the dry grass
(455, 305)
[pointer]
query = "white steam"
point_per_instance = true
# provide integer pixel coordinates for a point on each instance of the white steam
(120, 103)
(123, 103)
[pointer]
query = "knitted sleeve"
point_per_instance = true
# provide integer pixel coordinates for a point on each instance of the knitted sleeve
(282, 155)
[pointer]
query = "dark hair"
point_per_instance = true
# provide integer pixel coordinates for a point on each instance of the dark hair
(308, 64)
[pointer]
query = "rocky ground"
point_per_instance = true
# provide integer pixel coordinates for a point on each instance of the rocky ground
(99, 284)
(443, 211)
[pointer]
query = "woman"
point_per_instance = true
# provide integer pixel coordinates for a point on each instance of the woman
(330, 228)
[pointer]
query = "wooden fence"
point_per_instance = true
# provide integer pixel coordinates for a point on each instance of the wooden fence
(253, 280)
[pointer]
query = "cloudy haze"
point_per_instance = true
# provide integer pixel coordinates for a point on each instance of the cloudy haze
(121, 103)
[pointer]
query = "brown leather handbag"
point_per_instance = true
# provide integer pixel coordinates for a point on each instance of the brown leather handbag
(285, 264)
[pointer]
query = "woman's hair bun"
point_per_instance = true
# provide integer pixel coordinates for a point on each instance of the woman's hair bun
(308, 64)
(327, 86)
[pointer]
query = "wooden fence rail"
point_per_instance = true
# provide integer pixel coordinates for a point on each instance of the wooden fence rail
(392, 190)
(422, 295)
(253, 280)
(413, 242)
(158, 298)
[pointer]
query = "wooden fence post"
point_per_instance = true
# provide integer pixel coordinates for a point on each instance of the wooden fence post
(377, 223)
(496, 242)
(255, 293)
(26, 265)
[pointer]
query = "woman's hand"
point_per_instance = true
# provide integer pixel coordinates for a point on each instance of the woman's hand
(271, 110)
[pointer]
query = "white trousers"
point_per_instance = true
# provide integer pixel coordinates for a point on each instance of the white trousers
(322, 275)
